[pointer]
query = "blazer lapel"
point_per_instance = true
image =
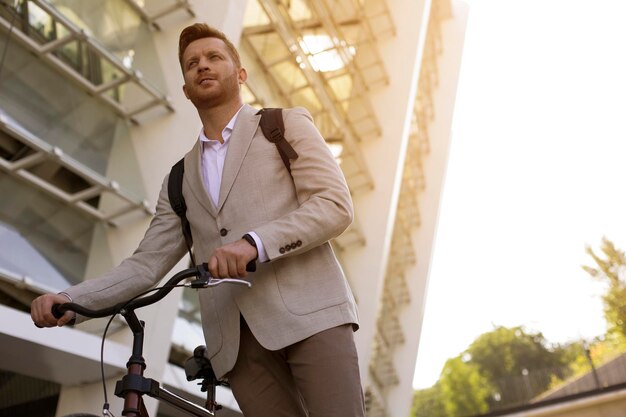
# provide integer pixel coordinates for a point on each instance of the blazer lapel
(193, 175)
(240, 140)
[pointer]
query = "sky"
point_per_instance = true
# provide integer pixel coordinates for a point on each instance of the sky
(536, 172)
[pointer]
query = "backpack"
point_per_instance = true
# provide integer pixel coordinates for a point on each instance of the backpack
(273, 128)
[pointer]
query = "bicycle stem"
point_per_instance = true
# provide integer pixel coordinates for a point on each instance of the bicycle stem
(136, 365)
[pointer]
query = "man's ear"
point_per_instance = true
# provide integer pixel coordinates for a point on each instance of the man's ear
(185, 91)
(243, 75)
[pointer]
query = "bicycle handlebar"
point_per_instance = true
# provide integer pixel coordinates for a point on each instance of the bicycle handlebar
(204, 280)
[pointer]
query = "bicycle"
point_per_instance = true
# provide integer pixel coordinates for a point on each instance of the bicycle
(134, 385)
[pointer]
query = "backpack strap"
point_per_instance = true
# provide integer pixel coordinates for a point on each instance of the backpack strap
(177, 201)
(273, 128)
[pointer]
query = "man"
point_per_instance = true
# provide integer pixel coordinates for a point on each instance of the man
(286, 344)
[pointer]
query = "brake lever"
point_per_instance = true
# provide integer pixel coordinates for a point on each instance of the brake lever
(205, 279)
(213, 282)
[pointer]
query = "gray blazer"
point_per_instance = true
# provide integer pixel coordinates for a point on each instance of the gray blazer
(302, 290)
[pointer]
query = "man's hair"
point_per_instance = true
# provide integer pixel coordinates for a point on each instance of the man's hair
(200, 31)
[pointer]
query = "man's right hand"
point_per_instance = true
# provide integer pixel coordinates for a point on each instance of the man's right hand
(41, 310)
(230, 261)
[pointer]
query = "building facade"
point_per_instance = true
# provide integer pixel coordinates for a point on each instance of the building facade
(92, 116)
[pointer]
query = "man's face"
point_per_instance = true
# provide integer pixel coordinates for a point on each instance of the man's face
(211, 76)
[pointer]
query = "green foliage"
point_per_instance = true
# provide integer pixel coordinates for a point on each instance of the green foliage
(615, 309)
(612, 270)
(607, 348)
(575, 361)
(465, 391)
(492, 372)
(506, 352)
(599, 351)
(428, 402)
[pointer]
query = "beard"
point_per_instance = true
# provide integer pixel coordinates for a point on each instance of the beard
(225, 90)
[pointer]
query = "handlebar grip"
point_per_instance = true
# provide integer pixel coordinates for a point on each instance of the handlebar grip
(56, 311)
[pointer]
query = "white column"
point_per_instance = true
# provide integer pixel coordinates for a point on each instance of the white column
(376, 209)
(400, 397)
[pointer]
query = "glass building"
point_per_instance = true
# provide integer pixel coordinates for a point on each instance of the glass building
(92, 117)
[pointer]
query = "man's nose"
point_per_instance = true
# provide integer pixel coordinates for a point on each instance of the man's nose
(203, 64)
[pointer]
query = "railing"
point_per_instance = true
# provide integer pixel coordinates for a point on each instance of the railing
(46, 32)
(87, 187)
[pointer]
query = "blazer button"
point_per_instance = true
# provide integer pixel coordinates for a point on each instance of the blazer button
(287, 247)
(293, 246)
(299, 243)
(281, 250)
(223, 232)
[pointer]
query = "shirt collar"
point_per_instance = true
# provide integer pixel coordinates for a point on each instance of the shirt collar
(225, 133)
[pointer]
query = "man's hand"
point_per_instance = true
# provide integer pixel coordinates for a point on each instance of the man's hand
(40, 310)
(229, 261)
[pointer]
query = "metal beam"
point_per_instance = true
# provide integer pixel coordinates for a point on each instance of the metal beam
(98, 184)
(285, 29)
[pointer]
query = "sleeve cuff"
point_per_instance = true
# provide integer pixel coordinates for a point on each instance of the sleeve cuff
(73, 321)
(66, 295)
(259, 247)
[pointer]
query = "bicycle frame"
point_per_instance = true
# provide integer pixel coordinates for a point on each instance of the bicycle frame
(134, 385)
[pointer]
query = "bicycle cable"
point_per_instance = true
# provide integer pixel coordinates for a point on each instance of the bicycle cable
(105, 407)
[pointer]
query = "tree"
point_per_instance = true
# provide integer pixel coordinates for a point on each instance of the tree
(505, 352)
(428, 403)
(465, 391)
(460, 391)
(612, 270)
(518, 365)
(501, 368)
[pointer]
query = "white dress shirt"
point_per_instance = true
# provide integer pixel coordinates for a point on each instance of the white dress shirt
(213, 156)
